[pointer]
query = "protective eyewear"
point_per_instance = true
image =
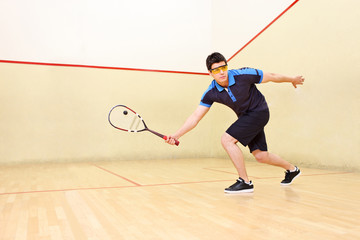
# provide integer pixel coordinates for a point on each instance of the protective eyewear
(219, 69)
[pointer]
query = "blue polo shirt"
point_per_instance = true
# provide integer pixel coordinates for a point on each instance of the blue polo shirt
(241, 95)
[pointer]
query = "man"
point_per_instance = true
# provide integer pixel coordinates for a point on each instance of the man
(236, 89)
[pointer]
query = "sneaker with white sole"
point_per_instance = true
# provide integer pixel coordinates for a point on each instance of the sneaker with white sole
(290, 176)
(240, 186)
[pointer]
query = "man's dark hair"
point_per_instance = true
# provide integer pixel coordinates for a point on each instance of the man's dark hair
(214, 58)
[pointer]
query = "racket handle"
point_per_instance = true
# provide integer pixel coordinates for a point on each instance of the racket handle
(176, 141)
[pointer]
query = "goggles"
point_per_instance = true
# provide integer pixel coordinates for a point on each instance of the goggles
(219, 69)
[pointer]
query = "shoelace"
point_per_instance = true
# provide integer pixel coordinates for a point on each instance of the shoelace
(242, 181)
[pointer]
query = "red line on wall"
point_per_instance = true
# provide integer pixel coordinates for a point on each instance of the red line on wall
(100, 67)
(263, 29)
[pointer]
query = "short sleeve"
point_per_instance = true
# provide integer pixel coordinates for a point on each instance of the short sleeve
(206, 99)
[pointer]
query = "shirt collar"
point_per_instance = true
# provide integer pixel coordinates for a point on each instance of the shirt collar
(231, 82)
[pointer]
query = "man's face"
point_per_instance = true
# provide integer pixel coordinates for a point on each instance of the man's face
(220, 73)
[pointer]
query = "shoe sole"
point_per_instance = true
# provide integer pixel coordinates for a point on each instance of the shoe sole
(285, 184)
(240, 191)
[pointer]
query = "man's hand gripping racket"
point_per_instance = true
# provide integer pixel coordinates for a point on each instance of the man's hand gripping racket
(123, 118)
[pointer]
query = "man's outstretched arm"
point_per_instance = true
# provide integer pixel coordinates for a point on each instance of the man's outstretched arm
(278, 78)
(189, 124)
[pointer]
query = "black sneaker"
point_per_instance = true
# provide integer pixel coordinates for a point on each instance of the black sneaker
(290, 176)
(240, 187)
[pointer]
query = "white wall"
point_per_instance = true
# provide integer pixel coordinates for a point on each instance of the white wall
(162, 34)
(236, 23)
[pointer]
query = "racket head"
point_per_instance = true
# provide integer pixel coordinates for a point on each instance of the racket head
(124, 118)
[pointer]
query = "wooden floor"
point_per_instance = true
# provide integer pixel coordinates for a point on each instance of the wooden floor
(174, 199)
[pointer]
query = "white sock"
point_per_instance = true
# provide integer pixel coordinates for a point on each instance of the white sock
(242, 180)
(294, 169)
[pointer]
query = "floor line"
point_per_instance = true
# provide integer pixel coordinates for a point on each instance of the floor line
(115, 174)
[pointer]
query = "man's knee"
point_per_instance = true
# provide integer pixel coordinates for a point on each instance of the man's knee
(261, 156)
(227, 140)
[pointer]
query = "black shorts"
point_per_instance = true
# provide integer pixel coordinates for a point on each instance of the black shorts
(249, 130)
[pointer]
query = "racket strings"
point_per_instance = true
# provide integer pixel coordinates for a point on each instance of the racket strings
(134, 126)
(125, 119)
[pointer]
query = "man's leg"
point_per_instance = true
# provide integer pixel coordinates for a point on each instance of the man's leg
(292, 171)
(235, 154)
(272, 159)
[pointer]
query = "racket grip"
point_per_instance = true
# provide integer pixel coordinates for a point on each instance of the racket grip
(176, 141)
